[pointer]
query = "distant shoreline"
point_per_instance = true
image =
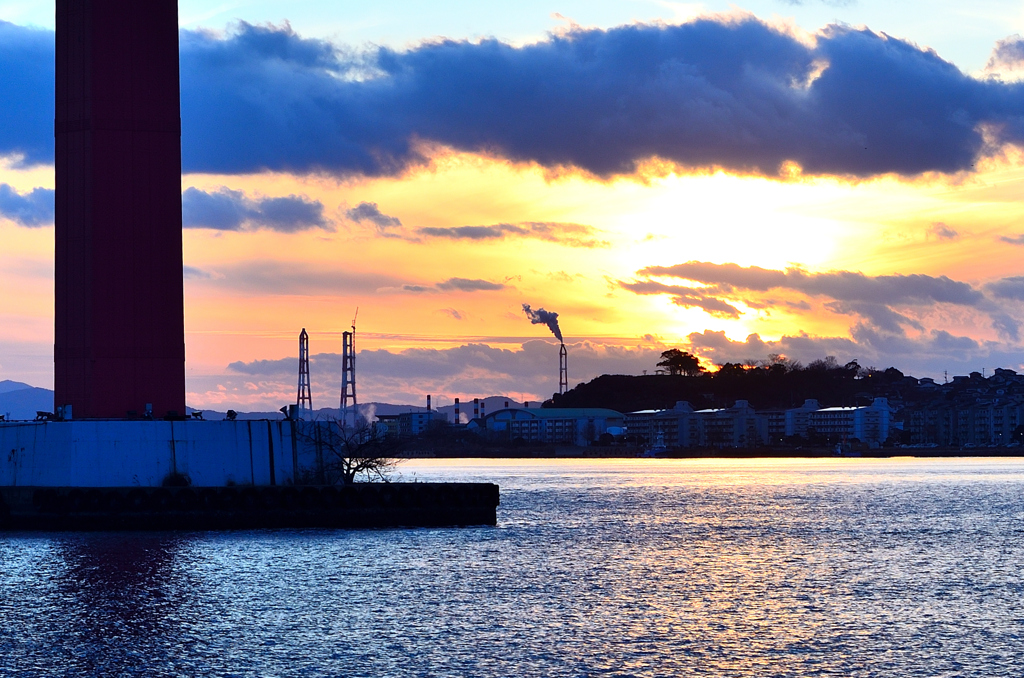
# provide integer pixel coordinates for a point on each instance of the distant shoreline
(754, 453)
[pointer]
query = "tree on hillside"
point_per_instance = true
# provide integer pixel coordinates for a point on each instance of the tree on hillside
(680, 362)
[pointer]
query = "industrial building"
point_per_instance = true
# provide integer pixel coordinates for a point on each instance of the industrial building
(407, 424)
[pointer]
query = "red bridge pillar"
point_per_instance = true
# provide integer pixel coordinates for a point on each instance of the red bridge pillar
(119, 321)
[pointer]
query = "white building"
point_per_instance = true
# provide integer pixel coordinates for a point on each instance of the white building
(677, 427)
(681, 426)
(798, 418)
(868, 424)
(553, 425)
(736, 426)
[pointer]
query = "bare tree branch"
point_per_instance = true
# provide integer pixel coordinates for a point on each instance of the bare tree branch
(345, 452)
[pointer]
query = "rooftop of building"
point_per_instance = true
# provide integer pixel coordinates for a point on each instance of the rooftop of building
(562, 412)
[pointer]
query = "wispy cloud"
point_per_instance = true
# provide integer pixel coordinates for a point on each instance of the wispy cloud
(368, 211)
(469, 285)
(228, 210)
(687, 297)
(571, 235)
(943, 231)
(453, 313)
(273, 277)
(449, 285)
(193, 273)
(880, 300)
(1007, 57)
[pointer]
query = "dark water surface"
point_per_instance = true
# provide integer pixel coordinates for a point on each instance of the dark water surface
(846, 567)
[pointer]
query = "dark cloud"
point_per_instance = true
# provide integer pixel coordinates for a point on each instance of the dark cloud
(227, 210)
(1006, 325)
(849, 286)
(289, 214)
(943, 231)
(1008, 288)
(529, 371)
(881, 300)
(735, 94)
(468, 285)
(27, 85)
(224, 210)
(368, 211)
(926, 355)
(719, 349)
(880, 315)
(573, 235)
(1013, 239)
(34, 208)
(686, 297)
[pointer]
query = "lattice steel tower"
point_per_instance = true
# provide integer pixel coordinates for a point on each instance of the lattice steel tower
(563, 370)
(304, 401)
(348, 374)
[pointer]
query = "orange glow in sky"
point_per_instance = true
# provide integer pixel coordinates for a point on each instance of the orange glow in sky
(573, 243)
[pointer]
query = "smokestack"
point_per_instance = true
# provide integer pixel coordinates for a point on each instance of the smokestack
(550, 318)
(506, 404)
(526, 405)
(428, 402)
(457, 421)
(483, 406)
(476, 408)
(563, 370)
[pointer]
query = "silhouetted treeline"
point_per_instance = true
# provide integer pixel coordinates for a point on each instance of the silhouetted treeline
(778, 384)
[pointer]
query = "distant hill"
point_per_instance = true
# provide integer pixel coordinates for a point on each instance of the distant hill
(8, 385)
(20, 401)
(777, 386)
(23, 402)
(491, 403)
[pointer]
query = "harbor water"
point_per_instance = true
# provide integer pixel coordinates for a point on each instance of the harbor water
(646, 567)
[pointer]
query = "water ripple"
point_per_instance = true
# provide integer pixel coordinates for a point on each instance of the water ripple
(598, 568)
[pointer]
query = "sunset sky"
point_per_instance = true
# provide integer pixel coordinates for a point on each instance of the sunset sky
(804, 178)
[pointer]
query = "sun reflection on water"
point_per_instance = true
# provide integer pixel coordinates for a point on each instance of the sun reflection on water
(845, 567)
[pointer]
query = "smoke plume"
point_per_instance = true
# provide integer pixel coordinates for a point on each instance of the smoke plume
(368, 413)
(542, 317)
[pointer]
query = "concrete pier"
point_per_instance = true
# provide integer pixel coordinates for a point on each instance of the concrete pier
(203, 475)
(361, 505)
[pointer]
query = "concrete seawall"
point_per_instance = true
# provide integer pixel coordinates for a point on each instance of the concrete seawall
(360, 505)
(116, 453)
